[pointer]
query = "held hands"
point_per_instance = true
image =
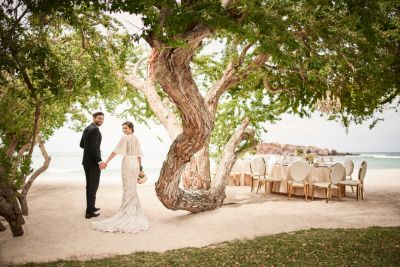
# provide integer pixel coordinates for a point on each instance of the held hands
(102, 165)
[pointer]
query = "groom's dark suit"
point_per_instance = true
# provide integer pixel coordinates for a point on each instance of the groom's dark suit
(90, 142)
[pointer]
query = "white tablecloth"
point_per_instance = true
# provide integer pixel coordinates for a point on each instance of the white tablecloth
(240, 175)
(315, 174)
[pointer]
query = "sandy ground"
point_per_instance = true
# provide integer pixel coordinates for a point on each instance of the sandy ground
(56, 227)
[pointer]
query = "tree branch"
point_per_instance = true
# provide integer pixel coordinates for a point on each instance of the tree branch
(390, 97)
(23, 149)
(12, 146)
(21, 152)
(228, 78)
(38, 111)
(234, 73)
(137, 65)
(83, 39)
(194, 37)
(229, 157)
(348, 63)
(39, 171)
(133, 81)
(158, 106)
(243, 54)
(273, 90)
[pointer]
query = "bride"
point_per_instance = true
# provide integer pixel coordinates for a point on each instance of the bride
(130, 217)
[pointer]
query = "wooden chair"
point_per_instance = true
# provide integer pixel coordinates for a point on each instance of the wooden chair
(359, 184)
(298, 172)
(336, 175)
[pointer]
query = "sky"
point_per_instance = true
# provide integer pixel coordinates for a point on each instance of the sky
(317, 131)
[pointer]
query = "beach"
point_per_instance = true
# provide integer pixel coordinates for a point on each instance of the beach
(56, 227)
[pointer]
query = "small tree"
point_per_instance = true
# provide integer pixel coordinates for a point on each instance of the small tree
(49, 61)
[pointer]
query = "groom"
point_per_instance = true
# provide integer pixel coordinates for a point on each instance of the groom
(92, 162)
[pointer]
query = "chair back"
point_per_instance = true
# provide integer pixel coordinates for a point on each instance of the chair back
(338, 173)
(349, 166)
(240, 166)
(271, 161)
(362, 171)
(257, 166)
(237, 166)
(298, 171)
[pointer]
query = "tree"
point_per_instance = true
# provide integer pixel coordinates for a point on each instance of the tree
(49, 63)
(291, 54)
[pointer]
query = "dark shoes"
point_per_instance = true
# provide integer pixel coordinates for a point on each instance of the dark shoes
(91, 215)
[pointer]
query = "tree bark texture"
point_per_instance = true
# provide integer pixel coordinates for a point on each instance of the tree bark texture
(2, 227)
(196, 174)
(10, 210)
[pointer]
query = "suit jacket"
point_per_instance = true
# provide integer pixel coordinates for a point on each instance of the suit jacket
(90, 142)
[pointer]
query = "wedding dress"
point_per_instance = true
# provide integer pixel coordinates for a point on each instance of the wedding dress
(130, 217)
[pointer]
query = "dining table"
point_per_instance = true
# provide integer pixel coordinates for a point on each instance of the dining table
(316, 173)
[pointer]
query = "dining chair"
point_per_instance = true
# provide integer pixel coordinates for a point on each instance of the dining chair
(236, 171)
(298, 172)
(337, 174)
(269, 179)
(259, 173)
(359, 184)
(257, 169)
(349, 166)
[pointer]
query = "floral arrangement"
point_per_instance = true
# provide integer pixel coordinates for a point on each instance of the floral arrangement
(309, 157)
(298, 152)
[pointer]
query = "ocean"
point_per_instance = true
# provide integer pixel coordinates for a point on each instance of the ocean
(67, 166)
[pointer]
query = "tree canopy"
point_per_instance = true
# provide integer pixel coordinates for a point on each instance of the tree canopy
(347, 48)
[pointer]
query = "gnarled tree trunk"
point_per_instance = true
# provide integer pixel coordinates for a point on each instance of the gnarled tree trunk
(10, 210)
(9, 205)
(196, 174)
(171, 68)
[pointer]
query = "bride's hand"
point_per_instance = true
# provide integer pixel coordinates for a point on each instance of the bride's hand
(142, 177)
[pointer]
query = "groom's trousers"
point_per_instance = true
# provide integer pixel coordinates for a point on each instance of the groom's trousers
(92, 174)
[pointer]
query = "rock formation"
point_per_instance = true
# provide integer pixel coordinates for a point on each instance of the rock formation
(287, 149)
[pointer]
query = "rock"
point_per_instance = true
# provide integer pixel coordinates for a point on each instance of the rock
(287, 149)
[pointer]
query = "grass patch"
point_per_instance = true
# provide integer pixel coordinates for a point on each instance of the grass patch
(375, 246)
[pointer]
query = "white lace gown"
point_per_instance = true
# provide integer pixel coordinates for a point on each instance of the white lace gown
(130, 217)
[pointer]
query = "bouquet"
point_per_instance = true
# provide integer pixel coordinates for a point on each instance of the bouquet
(142, 178)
